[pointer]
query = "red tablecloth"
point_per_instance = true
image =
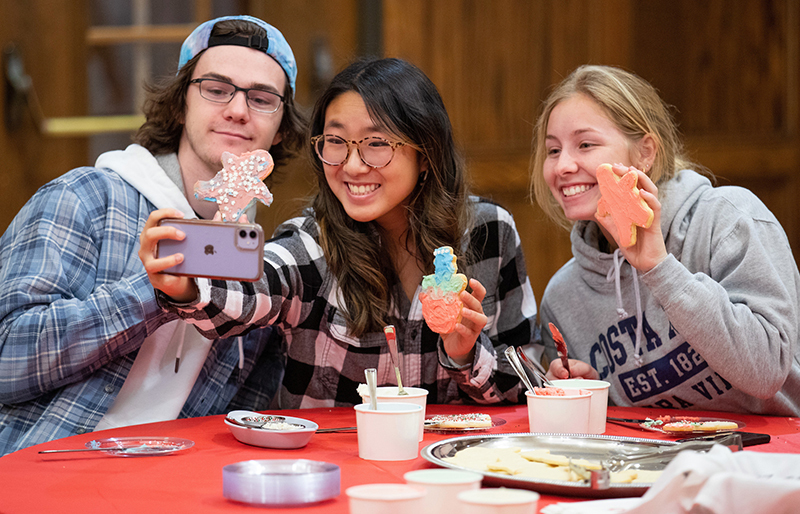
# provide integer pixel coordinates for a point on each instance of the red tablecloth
(191, 481)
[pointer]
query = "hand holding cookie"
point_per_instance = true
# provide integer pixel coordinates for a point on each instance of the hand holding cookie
(460, 343)
(450, 310)
(629, 210)
(441, 305)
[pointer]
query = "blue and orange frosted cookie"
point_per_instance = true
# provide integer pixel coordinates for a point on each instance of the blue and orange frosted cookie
(441, 306)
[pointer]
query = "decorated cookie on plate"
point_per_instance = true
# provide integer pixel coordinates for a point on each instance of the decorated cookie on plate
(238, 184)
(441, 306)
(620, 199)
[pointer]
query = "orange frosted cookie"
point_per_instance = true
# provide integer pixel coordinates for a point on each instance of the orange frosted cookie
(441, 306)
(619, 198)
(238, 184)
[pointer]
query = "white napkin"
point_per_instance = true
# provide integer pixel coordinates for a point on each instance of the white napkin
(716, 482)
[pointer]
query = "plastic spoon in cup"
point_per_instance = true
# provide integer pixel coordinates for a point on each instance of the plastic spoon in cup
(372, 384)
(511, 357)
(391, 340)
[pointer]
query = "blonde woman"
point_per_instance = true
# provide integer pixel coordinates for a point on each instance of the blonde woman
(702, 311)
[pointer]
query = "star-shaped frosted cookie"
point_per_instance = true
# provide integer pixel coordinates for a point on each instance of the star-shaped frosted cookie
(238, 184)
(619, 198)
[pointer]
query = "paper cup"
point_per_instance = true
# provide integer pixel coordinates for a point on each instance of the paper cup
(389, 433)
(385, 499)
(442, 486)
(416, 395)
(498, 501)
(599, 409)
(560, 414)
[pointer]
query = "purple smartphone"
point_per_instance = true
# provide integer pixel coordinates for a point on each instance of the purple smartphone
(213, 249)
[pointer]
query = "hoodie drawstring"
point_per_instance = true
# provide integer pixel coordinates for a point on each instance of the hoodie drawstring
(615, 271)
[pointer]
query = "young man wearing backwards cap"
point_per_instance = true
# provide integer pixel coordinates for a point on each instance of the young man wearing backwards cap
(83, 343)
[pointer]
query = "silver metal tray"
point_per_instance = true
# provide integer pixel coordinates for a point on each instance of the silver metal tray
(592, 447)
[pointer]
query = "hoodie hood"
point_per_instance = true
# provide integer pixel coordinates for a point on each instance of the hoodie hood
(140, 169)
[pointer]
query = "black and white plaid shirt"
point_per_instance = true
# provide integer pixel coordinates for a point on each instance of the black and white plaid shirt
(325, 364)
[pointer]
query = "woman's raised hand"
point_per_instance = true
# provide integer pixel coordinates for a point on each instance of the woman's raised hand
(649, 249)
(460, 343)
(180, 289)
(577, 369)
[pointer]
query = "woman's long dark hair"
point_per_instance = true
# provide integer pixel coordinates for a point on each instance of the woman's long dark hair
(403, 101)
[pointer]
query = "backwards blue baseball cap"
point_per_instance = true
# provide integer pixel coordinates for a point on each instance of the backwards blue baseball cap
(274, 44)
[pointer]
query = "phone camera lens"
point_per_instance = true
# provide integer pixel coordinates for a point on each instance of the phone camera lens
(253, 234)
(242, 233)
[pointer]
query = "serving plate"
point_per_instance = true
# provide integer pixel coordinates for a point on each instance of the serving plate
(140, 446)
(280, 439)
(575, 446)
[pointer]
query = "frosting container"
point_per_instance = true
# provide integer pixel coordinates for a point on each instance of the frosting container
(599, 403)
(416, 395)
(389, 433)
(560, 414)
(280, 482)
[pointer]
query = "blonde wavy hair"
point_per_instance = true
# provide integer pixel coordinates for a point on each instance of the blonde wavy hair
(633, 105)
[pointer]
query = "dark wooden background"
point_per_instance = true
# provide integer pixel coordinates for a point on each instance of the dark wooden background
(730, 67)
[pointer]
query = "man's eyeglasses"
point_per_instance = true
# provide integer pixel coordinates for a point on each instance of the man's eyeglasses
(221, 92)
(375, 152)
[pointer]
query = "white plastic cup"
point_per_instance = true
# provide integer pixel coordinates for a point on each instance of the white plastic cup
(499, 500)
(389, 433)
(416, 395)
(599, 409)
(442, 486)
(560, 414)
(385, 499)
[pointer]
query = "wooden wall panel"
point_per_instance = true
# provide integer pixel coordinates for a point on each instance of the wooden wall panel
(51, 50)
(725, 62)
(731, 70)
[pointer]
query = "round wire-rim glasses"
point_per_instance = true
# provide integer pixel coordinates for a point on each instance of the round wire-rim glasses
(222, 92)
(375, 152)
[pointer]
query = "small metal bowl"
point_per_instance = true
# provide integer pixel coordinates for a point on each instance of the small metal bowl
(280, 482)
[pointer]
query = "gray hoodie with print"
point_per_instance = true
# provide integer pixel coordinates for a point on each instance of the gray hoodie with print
(717, 322)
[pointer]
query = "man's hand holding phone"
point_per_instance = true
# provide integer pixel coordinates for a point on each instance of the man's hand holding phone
(179, 288)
